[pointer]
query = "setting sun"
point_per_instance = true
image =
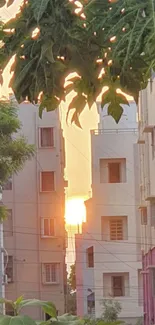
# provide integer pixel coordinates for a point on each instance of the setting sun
(75, 211)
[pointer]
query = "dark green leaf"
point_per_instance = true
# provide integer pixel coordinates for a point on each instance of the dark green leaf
(116, 111)
(121, 99)
(39, 7)
(75, 119)
(23, 73)
(49, 103)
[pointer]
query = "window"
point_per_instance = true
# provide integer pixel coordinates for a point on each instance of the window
(91, 303)
(8, 224)
(8, 185)
(46, 137)
(144, 216)
(48, 227)
(118, 286)
(113, 170)
(90, 256)
(47, 181)
(116, 229)
(51, 273)
(8, 262)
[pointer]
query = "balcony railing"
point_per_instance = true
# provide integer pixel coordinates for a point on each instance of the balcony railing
(110, 131)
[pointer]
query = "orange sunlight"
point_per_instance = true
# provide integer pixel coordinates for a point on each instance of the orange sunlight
(75, 211)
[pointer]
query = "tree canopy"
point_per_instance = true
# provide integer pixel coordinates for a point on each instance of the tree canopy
(14, 151)
(108, 43)
(72, 278)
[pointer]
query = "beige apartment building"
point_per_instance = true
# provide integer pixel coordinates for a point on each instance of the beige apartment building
(34, 233)
(108, 252)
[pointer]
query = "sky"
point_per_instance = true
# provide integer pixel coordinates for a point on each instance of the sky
(77, 141)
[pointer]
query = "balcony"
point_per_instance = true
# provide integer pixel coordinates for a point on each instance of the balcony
(113, 131)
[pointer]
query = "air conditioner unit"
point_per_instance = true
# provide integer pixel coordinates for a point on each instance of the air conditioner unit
(5, 279)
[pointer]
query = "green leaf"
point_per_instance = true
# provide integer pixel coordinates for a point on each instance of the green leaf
(3, 213)
(19, 300)
(120, 98)
(69, 88)
(39, 7)
(48, 103)
(48, 307)
(47, 51)
(116, 111)
(106, 98)
(78, 103)
(90, 100)
(75, 119)
(2, 3)
(23, 73)
(16, 320)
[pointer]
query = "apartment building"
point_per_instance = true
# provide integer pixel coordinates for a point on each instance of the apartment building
(34, 233)
(108, 252)
(146, 142)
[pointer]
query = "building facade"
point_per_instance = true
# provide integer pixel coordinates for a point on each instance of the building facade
(146, 142)
(108, 252)
(34, 233)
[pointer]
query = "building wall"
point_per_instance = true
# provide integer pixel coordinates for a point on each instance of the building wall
(147, 196)
(29, 205)
(109, 201)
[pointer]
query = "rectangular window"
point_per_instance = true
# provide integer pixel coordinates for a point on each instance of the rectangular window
(51, 273)
(8, 224)
(48, 227)
(91, 304)
(90, 256)
(144, 216)
(47, 181)
(8, 185)
(114, 172)
(116, 229)
(8, 263)
(118, 286)
(46, 137)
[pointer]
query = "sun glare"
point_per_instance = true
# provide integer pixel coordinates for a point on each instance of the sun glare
(75, 211)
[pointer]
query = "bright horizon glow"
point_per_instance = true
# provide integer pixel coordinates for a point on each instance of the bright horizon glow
(75, 211)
